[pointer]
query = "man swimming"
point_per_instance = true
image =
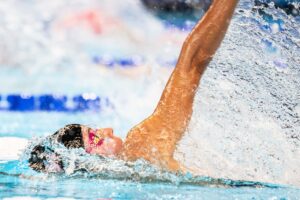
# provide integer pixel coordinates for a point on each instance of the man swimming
(155, 138)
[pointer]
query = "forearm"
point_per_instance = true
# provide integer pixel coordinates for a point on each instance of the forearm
(176, 103)
(205, 38)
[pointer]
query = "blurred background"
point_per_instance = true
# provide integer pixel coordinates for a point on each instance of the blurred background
(53, 52)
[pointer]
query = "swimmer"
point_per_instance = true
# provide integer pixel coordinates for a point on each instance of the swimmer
(155, 138)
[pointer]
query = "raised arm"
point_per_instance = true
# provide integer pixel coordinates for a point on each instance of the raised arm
(156, 137)
(205, 38)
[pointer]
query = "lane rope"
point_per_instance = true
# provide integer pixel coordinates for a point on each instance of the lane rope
(54, 103)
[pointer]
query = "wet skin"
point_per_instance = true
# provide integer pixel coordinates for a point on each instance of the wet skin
(155, 138)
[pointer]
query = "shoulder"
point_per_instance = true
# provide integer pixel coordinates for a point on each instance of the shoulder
(148, 141)
(136, 144)
(150, 147)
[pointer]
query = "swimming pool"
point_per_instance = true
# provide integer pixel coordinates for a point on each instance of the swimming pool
(245, 124)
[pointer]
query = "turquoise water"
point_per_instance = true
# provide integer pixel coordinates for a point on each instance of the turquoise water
(96, 188)
(245, 124)
(86, 186)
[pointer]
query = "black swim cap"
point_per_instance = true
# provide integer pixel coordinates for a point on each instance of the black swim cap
(43, 158)
(70, 136)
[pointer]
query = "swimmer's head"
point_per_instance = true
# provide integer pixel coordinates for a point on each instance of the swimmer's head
(45, 159)
(94, 141)
(100, 141)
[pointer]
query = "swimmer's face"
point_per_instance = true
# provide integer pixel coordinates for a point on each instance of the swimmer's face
(101, 141)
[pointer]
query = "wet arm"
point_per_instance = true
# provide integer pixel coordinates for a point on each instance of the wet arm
(156, 137)
(203, 41)
(174, 109)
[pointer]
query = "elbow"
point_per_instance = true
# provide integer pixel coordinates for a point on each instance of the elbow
(202, 59)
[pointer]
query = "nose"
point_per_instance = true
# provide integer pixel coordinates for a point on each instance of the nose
(108, 132)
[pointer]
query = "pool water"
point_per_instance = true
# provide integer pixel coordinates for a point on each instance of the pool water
(244, 133)
(96, 188)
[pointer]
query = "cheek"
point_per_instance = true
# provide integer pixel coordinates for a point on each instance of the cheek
(110, 146)
(106, 149)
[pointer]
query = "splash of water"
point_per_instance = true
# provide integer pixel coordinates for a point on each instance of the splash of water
(79, 164)
(246, 122)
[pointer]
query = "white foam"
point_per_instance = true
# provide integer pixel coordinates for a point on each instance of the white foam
(11, 147)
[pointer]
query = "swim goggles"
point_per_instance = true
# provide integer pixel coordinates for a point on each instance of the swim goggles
(95, 140)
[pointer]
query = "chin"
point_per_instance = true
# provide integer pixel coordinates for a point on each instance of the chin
(112, 147)
(118, 144)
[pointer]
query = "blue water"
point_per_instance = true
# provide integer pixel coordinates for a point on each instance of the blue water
(118, 189)
(245, 138)
(84, 186)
